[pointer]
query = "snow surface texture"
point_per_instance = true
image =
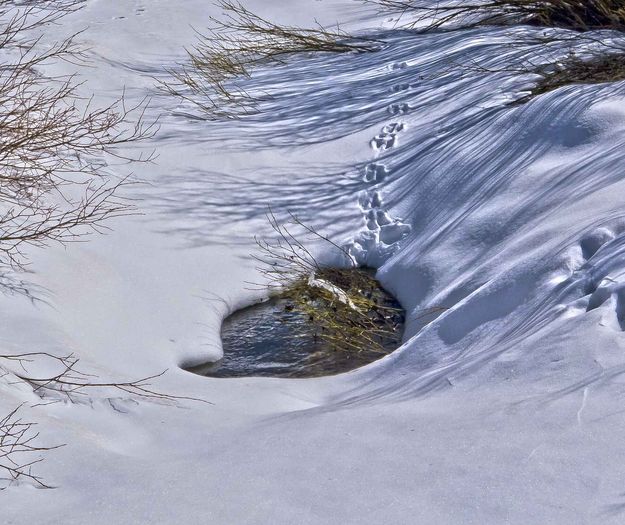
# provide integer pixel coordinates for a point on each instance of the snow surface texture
(506, 407)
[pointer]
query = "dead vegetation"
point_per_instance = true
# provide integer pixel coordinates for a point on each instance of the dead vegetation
(68, 383)
(345, 305)
(63, 382)
(578, 15)
(597, 69)
(603, 61)
(55, 148)
(20, 451)
(238, 43)
(54, 145)
(228, 53)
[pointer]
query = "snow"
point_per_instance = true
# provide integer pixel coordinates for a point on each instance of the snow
(505, 406)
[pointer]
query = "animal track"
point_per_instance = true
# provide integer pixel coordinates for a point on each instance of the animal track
(368, 200)
(377, 218)
(375, 173)
(591, 243)
(383, 141)
(380, 217)
(398, 88)
(599, 278)
(394, 127)
(614, 293)
(387, 137)
(398, 65)
(393, 233)
(382, 233)
(599, 296)
(398, 109)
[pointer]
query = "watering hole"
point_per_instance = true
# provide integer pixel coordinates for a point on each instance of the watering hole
(278, 338)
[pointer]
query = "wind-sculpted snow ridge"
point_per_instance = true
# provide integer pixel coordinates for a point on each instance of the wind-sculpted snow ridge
(317, 98)
(494, 207)
(492, 217)
(499, 226)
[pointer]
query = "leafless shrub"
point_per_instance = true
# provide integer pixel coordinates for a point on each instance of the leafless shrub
(19, 451)
(238, 43)
(54, 151)
(67, 383)
(602, 60)
(578, 59)
(53, 145)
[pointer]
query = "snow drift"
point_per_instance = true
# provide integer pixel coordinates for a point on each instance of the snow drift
(500, 227)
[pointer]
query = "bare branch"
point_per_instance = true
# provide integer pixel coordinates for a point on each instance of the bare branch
(19, 451)
(53, 143)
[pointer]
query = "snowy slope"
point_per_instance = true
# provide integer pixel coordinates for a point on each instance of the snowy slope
(505, 407)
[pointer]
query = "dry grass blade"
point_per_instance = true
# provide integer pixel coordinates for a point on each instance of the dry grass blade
(572, 14)
(598, 69)
(235, 45)
(343, 304)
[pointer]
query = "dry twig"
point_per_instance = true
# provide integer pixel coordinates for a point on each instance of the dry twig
(53, 144)
(17, 437)
(19, 451)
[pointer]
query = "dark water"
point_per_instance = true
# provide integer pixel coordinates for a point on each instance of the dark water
(271, 339)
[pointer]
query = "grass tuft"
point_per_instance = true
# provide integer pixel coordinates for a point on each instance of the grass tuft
(598, 69)
(238, 43)
(346, 306)
(579, 15)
